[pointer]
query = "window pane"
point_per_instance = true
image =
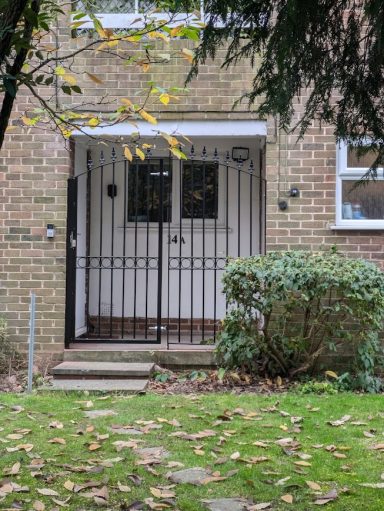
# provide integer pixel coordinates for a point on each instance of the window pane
(366, 201)
(365, 161)
(144, 192)
(108, 6)
(200, 188)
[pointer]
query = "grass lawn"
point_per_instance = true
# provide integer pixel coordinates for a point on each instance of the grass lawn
(48, 445)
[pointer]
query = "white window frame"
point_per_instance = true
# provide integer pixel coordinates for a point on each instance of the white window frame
(350, 174)
(139, 20)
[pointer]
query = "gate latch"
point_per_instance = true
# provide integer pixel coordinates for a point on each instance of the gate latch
(72, 240)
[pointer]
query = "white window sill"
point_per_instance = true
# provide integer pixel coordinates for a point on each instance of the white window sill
(358, 227)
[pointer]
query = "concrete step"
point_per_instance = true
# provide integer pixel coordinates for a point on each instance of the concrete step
(86, 369)
(132, 386)
(172, 359)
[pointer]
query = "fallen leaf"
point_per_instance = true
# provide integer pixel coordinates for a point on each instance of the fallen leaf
(340, 422)
(325, 499)
(56, 424)
(38, 505)
(377, 447)
(372, 485)
(47, 492)
(57, 441)
(302, 463)
(69, 485)
(123, 488)
(313, 485)
(15, 469)
(258, 507)
(94, 446)
(235, 456)
(288, 498)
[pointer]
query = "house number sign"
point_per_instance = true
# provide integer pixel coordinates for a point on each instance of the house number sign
(174, 239)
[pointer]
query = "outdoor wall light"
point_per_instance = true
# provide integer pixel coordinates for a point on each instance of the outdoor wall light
(294, 192)
(283, 205)
(240, 153)
(112, 190)
(51, 231)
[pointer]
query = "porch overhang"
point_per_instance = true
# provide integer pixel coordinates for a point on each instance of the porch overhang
(189, 128)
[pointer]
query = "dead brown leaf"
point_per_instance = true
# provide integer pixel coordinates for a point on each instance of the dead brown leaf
(288, 498)
(325, 499)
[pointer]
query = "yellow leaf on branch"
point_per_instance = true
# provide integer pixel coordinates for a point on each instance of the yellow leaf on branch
(148, 117)
(69, 79)
(127, 153)
(140, 154)
(93, 122)
(164, 98)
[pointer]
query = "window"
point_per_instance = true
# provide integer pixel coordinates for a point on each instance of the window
(127, 14)
(199, 190)
(144, 192)
(361, 206)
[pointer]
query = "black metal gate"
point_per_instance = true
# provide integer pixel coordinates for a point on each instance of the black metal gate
(147, 242)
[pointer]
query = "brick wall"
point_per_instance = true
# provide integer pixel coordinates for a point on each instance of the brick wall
(34, 166)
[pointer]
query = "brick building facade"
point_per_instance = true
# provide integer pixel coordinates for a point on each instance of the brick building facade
(36, 164)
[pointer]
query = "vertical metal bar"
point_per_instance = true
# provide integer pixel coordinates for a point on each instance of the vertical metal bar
(135, 257)
(88, 236)
(169, 217)
(203, 270)
(250, 207)
(112, 243)
(238, 210)
(192, 260)
(216, 189)
(181, 197)
(70, 279)
(136, 7)
(226, 215)
(148, 170)
(100, 244)
(31, 343)
(262, 205)
(125, 218)
(160, 254)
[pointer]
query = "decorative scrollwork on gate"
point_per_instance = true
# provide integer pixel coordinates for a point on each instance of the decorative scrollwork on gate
(126, 263)
(197, 263)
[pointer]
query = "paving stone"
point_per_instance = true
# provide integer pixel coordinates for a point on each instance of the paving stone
(94, 414)
(152, 452)
(190, 475)
(233, 504)
(126, 431)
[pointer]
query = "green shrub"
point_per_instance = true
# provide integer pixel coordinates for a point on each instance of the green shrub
(8, 355)
(288, 308)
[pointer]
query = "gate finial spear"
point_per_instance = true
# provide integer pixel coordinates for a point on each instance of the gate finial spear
(239, 163)
(215, 155)
(251, 167)
(149, 152)
(102, 159)
(227, 157)
(204, 153)
(113, 155)
(192, 152)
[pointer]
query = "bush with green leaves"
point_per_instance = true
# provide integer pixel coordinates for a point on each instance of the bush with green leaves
(289, 308)
(8, 355)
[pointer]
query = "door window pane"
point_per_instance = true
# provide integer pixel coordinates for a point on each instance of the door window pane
(364, 202)
(200, 189)
(144, 192)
